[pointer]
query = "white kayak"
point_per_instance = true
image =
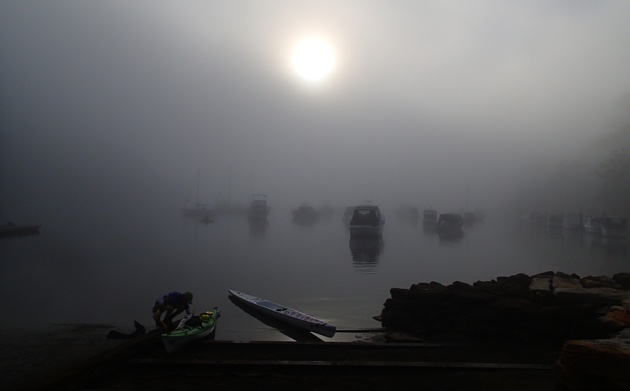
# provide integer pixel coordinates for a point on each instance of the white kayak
(289, 315)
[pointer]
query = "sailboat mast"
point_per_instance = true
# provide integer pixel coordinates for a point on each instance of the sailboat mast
(467, 192)
(229, 182)
(197, 198)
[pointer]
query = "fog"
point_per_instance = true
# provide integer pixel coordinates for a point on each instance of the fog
(119, 105)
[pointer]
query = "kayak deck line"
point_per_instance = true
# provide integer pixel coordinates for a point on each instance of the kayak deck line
(375, 330)
(285, 314)
(347, 363)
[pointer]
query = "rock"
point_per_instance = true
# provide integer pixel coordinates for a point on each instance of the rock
(617, 318)
(540, 290)
(549, 307)
(565, 281)
(547, 274)
(581, 295)
(598, 364)
(622, 279)
(600, 282)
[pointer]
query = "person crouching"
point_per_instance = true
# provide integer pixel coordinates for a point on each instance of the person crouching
(170, 305)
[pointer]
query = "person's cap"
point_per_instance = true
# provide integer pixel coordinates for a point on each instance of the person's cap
(188, 296)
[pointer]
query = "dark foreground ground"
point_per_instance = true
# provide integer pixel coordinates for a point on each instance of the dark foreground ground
(78, 357)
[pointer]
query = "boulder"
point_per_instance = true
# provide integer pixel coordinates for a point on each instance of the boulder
(561, 280)
(595, 364)
(598, 296)
(622, 279)
(540, 290)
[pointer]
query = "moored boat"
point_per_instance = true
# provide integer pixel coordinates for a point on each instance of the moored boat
(593, 225)
(11, 229)
(305, 214)
(258, 208)
(199, 210)
(285, 314)
(367, 220)
(429, 216)
(450, 222)
(190, 329)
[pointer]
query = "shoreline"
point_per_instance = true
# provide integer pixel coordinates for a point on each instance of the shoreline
(71, 356)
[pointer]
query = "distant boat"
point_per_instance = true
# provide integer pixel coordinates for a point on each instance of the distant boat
(534, 218)
(593, 225)
(450, 222)
(11, 229)
(367, 220)
(305, 214)
(615, 227)
(258, 208)
(408, 213)
(429, 216)
(198, 210)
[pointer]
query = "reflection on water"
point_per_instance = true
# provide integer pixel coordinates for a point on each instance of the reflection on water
(575, 239)
(318, 269)
(429, 229)
(609, 246)
(450, 236)
(258, 227)
(366, 251)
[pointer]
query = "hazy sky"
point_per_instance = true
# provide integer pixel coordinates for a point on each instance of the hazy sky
(425, 97)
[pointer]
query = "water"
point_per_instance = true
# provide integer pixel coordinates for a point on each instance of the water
(111, 269)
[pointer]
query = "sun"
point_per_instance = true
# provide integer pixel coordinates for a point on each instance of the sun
(313, 60)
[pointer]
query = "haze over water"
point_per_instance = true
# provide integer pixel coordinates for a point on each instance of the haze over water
(111, 272)
(114, 115)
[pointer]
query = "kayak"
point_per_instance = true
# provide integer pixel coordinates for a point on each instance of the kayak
(288, 315)
(190, 329)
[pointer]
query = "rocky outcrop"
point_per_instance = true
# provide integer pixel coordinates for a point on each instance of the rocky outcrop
(588, 318)
(550, 307)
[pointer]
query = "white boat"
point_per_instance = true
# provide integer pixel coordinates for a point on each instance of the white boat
(190, 329)
(615, 227)
(288, 315)
(367, 220)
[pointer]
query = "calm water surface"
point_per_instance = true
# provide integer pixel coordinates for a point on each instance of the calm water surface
(111, 272)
